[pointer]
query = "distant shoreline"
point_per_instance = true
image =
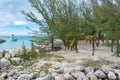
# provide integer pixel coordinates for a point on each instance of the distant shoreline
(1, 40)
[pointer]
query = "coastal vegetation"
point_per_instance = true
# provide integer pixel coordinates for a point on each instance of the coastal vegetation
(73, 20)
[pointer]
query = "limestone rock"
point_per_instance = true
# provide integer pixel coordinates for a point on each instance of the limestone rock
(91, 76)
(10, 78)
(59, 77)
(81, 76)
(68, 77)
(5, 62)
(3, 76)
(111, 75)
(100, 74)
(106, 69)
(79, 68)
(88, 69)
(7, 55)
(34, 75)
(17, 60)
(47, 77)
(117, 71)
(24, 77)
(11, 73)
(117, 65)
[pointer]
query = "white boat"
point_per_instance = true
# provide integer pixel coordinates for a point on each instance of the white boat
(13, 38)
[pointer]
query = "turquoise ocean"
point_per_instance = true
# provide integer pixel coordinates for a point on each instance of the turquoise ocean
(8, 45)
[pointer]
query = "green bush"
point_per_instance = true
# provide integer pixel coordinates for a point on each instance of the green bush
(27, 54)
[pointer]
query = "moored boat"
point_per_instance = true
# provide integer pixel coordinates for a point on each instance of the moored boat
(13, 38)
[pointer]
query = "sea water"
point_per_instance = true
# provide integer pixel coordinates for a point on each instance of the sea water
(9, 44)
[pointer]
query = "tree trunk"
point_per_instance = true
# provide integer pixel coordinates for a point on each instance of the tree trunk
(52, 44)
(112, 45)
(98, 42)
(90, 41)
(65, 44)
(93, 47)
(118, 49)
(76, 48)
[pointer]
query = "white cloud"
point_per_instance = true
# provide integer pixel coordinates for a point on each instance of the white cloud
(19, 23)
(16, 33)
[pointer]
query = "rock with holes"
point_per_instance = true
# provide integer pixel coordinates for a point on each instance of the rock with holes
(59, 77)
(111, 75)
(106, 69)
(117, 72)
(88, 69)
(34, 75)
(7, 55)
(16, 60)
(3, 76)
(24, 77)
(4, 62)
(91, 76)
(79, 68)
(100, 74)
(68, 77)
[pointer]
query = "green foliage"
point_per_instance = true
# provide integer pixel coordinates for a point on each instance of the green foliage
(117, 52)
(90, 37)
(14, 63)
(65, 20)
(45, 68)
(28, 54)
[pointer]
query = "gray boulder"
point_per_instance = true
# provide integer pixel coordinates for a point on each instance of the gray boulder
(106, 69)
(79, 76)
(68, 77)
(3, 76)
(10, 78)
(11, 73)
(111, 75)
(17, 60)
(91, 76)
(47, 77)
(59, 77)
(88, 69)
(7, 56)
(100, 74)
(4, 62)
(24, 77)
(117, 65)
(117, 72)
(79, 68)
(34, 75)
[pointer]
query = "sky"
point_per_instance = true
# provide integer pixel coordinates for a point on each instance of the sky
(12, 21)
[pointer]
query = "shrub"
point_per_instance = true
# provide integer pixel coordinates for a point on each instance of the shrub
(27, 54)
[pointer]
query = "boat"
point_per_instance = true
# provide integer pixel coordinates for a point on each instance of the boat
(13, 38)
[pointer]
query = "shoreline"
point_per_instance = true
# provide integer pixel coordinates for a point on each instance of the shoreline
(61, 65)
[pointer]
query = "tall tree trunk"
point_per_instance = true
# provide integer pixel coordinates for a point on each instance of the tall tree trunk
(98, 42)
(112, 45)
(52, 44)
(64, 42)
(118, 49)
(76, 48)
(93, 47)
(90, 41)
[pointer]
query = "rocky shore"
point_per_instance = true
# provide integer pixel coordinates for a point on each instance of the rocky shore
(61, 65)
(53, 68)
(1, 40)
